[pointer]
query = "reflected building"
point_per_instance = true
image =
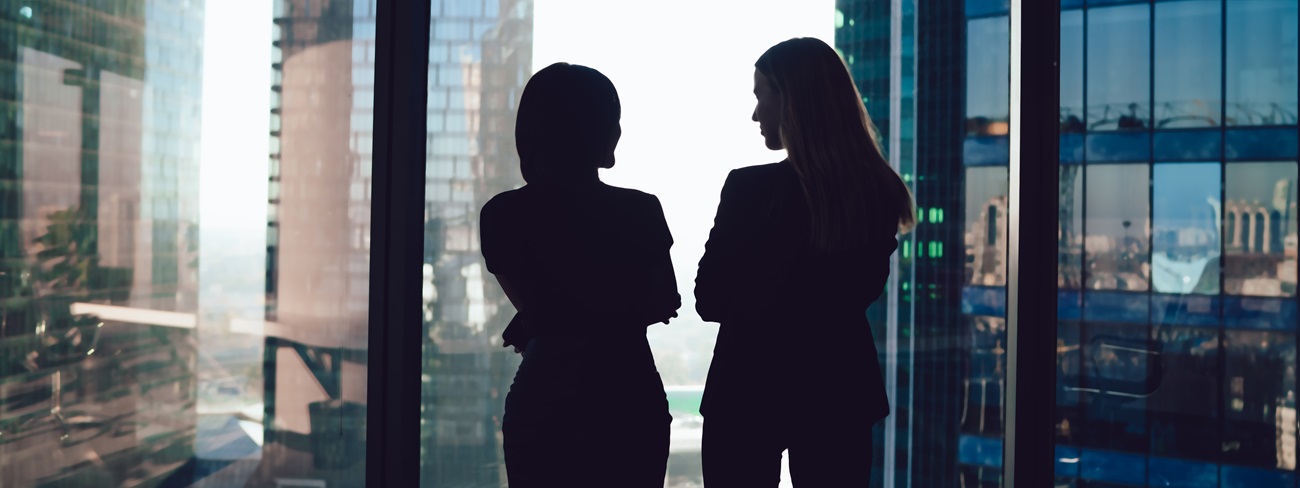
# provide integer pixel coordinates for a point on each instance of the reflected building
(1177, 233)
(986, 244)
(318, 227)
(99, 157)
(480, 55)
(1260, 241)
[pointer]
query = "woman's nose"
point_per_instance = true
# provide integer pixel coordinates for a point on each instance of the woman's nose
(754, 116)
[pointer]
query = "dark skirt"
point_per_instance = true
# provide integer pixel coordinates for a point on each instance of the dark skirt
(586, 412)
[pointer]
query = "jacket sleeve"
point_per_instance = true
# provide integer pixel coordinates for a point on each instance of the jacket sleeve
(662, 298)
(715, 290)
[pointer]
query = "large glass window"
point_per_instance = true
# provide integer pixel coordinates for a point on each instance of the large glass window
(1180, 368)
(175, 309)
(493, 52)
(479, 61)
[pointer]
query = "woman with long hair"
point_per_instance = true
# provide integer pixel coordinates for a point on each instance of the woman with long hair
(587, 268)
(798, 251)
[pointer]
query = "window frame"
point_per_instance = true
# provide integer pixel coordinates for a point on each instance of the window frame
(394, 387)
(396, 344)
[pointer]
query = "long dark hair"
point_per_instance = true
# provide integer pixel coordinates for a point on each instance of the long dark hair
(833, 145)
(568, 115)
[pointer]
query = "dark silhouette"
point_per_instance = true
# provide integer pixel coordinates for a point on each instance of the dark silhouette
(587, 267)
(798, 251)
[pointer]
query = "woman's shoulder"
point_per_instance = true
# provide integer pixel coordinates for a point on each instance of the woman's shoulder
(629, 196)
(760, 172)
(505, 203)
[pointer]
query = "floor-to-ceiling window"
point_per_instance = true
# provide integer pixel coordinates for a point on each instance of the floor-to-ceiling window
(1177, 325)
(184, 233)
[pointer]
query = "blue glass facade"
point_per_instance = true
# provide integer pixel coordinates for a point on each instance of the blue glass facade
(1177, 249)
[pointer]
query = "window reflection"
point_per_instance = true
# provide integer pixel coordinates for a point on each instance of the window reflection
(982, 407)
(1118, 228)
(171, 305)
(1187, 63)
(1185, 240)
(987, 76)
(1260, 399)
(1182, 410)
(1069, 382)
(1112, 404)
(1119, 73)
(480, 56)
(1070, 233)
(1072, 110)
(1259, 229)
(986, 229)
(1261, 65)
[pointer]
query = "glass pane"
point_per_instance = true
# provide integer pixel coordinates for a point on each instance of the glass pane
(1185, 239)
(1119, 73)
(468, 373)
(939, 327)
(986, 231)
(1180, 368)
(1117, 227)
(987, 81)
(1072, 110)
(479, 60)
(1188, 49)
(1070, 267)
(1261, 62)
(1259, 228)
(175, 309)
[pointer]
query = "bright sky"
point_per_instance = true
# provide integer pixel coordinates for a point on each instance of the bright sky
(234, 154)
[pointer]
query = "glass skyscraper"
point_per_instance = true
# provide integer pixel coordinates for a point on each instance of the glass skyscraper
(1177, 239)
(99, 129)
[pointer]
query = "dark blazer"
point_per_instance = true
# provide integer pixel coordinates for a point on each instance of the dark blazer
(592, 259)
(794, 334)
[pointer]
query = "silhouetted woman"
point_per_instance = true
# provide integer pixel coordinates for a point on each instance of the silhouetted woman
(587, 267)
(798, 251)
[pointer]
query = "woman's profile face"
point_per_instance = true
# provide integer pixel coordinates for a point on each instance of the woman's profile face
(768, 111)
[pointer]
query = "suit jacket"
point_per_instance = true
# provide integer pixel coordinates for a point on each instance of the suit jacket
(592, 260)
(794, 335)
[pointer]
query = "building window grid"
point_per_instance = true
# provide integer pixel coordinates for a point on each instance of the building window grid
(1225, 161)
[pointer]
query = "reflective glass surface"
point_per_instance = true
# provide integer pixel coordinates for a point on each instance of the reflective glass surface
(1117, 227)
(1179, 369)
(1261, 62)
(1188, 59)
(176, 308)
(1118, 57)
